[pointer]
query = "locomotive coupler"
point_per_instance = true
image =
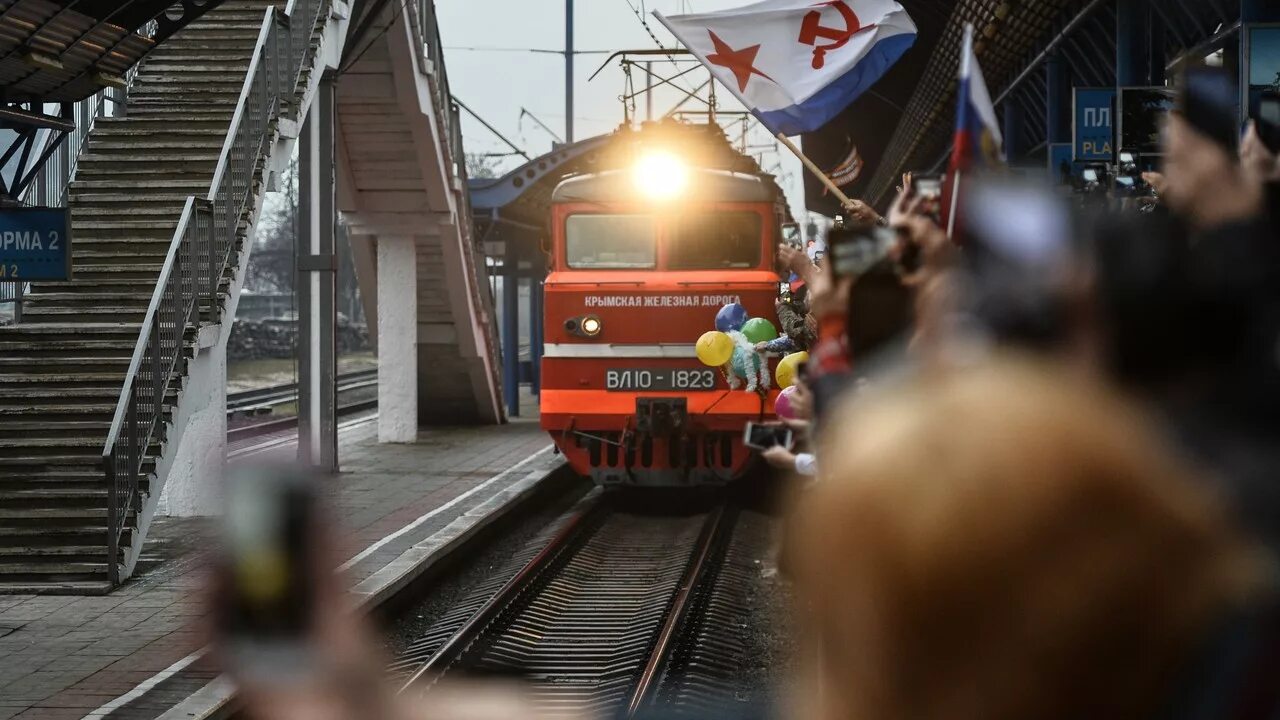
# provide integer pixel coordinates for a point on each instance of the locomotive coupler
(662, 417)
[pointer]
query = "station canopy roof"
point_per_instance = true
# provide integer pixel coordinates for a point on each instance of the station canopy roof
(907, 121)
(58, 51)
(522, 198)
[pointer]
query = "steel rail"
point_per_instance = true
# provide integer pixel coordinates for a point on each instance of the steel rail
(288, 423)
(436, 665)
(647, 684)
(258, 398)
(470, 643)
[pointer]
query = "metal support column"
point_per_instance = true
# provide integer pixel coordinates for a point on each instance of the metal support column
(1012, 130)
(1133, 42)
(536, 278)
(317, 268)
(1058, 115)
(511, 328)
(568, 71)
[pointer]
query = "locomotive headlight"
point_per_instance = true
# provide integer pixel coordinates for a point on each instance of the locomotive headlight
(661, 175)
(588, 326)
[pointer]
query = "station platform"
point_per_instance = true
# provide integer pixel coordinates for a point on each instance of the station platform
(138, 652)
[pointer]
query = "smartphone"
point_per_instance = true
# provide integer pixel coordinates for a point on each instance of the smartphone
(267, 571)
(1090, 175)
(1269, 121)
(762, 436)
(1208, 101)
(854, 253)
(928, 187)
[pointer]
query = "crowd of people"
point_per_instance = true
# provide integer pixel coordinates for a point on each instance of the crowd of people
(1043, 454)
(1046, 456)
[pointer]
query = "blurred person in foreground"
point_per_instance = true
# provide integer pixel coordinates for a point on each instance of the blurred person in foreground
(1010, 542)
(1188, 307)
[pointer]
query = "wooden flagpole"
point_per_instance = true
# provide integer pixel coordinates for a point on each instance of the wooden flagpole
(813, 168)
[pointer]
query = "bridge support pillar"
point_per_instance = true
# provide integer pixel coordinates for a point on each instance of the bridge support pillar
(317, 274)
(397, 339)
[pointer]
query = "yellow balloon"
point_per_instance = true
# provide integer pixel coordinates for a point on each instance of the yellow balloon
(715, 348)
(787, 367)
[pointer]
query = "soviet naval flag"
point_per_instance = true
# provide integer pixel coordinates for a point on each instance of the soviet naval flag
(797, 63)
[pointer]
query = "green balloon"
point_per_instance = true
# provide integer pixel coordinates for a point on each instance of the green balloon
(759, 330)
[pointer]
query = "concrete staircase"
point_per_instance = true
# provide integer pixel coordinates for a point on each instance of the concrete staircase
(62, 369)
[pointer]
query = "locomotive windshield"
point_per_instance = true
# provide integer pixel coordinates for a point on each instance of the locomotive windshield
(714, 241)
(611, 242)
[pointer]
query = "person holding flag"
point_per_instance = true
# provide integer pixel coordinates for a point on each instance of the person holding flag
(796, 64)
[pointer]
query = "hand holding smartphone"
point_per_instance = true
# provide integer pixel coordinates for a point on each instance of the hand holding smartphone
(269, 572)
(762, 436)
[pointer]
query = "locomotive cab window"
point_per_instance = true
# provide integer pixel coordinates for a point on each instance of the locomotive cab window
(610, 242)
(714, 241)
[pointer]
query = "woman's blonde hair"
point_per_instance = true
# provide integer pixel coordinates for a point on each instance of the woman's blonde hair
(1006, 542)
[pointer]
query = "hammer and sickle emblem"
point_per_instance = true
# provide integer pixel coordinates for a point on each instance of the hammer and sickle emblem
(812, 29)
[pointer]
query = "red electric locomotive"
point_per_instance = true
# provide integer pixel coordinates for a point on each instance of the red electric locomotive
(642, 259)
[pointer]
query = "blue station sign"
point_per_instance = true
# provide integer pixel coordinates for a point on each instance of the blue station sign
(1094, 124)
(35, 244)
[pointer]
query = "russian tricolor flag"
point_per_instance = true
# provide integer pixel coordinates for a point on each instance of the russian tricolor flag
(796, 64)
(978, 139)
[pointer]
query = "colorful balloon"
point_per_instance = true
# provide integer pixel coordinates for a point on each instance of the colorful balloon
(782, 406)
(759, 330)
(714, 348)
(787, 368)
(731, 317)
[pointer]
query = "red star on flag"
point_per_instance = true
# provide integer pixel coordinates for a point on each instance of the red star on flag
(742, 63)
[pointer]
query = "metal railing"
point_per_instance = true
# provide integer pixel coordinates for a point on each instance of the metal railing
(49, 186)
(202, 251)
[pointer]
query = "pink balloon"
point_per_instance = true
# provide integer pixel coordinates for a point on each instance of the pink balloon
(782, 406)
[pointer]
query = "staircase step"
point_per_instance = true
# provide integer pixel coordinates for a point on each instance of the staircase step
(175, 149)
(20, 464)
(100, 330)
(71, 553)
(59, 380)
(87, 587)
(37, 429)
(42, 314)
(141, 162)
(70, 363)
(88, 299)
(55, 568)
(184, 188)
(38, 397)
(132, 130)
(53, 349)
(21, 517)
(148, 271)
(59, 478)
(219, 82)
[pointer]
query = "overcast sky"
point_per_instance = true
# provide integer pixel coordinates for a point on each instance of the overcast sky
(498, 84)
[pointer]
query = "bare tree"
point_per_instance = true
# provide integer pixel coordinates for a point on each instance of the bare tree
(481, 165)
(271, 266)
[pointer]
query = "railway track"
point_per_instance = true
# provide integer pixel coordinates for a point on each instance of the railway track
(260, 400)
(610, 614)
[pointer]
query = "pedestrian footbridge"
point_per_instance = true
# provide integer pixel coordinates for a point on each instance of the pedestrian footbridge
(112, 382)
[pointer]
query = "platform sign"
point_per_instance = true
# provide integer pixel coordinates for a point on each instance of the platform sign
(35, 244)
(1094, 124)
